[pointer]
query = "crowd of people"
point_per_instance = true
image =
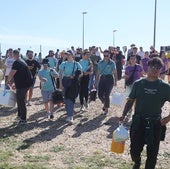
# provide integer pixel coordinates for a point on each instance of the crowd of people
(77, 72)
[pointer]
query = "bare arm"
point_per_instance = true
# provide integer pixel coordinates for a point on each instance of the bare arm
(100, 50)
(54, 74)
(11, 75)
(42, 79)
(127, 107)
(115, 76)
(60, 79)
(4, 72)
(97, 77)
(165, 120)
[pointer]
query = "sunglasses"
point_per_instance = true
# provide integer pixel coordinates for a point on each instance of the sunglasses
(155, 67)
(106, 55)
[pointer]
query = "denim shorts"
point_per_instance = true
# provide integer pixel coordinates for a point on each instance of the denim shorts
(46, 95)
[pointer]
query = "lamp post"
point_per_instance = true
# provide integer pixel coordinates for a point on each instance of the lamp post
(114, 37)
(83, 30)
(0, 52)
(154, 35)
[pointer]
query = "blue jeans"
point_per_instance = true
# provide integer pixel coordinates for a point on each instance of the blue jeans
(69, 104)
(92, 82)
(69, 107)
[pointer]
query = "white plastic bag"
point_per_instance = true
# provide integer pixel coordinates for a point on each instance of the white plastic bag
(7, 98)
(1, 74)
(2, 85)
(121, 134)
(118, 98)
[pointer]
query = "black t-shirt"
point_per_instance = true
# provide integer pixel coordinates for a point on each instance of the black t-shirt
(119, 59)
(33, 66)
(23, 77)
(150, 96)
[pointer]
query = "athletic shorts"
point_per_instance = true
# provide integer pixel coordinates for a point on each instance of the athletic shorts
(46, 95)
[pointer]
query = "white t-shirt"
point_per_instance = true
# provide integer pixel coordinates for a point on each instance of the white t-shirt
(141, 54)
(8, 65)
(97, 53)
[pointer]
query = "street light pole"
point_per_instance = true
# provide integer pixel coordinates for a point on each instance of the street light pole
(154, 35)
(83, 29)
(114, 37)
(0, 52)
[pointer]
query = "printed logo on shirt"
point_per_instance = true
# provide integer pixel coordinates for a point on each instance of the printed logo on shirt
(150, 91)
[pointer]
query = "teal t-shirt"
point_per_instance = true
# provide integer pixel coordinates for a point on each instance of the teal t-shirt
(47, 86)
(69, 68)
(106, 67)
(85, 64)
(150, 96)
(52, 62)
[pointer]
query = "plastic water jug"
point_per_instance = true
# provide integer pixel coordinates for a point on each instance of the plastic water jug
(118, 98)
(117, 147)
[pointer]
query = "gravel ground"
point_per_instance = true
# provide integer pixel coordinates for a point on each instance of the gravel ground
(66, 145)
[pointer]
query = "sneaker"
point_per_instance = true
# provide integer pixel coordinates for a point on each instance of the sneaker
(137, 165)
(48, 114)
(106, 111)
(51, 116)
(69, 119)
(17, 118)
(22, 122)
(28, 104)
(86, 105)
(81, 108)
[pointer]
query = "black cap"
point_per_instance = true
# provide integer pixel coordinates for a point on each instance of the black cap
(45, 61)
(10, 49)
(51, 51)
(132, 45)
(106, 51)
(69, 52)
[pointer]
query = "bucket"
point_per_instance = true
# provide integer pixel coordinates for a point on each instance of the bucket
(117, 147)
(118, 99)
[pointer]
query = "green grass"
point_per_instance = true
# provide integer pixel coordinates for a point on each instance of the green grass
(95, 161)
(12, 144)
(27, 166)
(57, 149)
(31, 158)
(5, 155)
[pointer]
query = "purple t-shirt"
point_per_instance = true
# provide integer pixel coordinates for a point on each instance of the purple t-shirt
(165, 61)
(145, 64)
(129, 70)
